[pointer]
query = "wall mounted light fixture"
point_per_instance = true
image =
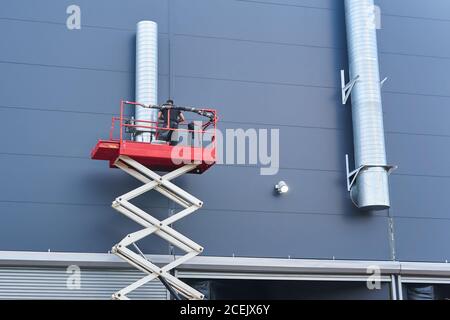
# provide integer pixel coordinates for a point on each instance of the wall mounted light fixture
(281, 187)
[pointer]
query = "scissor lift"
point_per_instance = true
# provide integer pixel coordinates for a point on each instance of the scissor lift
(141, 160)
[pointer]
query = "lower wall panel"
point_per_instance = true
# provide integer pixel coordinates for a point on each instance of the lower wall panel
(273, 234)
(73, 228)
(422, 239)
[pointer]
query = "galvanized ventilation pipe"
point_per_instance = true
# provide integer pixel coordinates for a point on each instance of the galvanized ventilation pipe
(146, 77)
(371, 188)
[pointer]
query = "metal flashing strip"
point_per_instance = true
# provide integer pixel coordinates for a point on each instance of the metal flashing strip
(231, 264)
(425, 269)
(430, 280)
(275, 276)
(303, 266)
(33, 258)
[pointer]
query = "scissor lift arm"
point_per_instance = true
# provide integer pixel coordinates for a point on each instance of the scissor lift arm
(189, 203)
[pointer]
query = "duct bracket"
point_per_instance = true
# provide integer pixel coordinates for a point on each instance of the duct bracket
(353, 175)
(346, 89)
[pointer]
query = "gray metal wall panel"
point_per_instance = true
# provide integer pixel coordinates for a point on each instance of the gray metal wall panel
(281, 235)
(438, 9)
(419, 154)
(272, 64)
(301, 105)
(51, 283)
(314, 148)
(269, 23)
(52, 133)
(420, 196)
(90, 48)
(418, 36)
(255, 62)
(415, 75)
(115, 14)
(79, 90)
(65, 180)
(243, 189)
(422, 239)
(321, 4)
(70, 134)
(70, 227)
(415, 99)
(430, 114)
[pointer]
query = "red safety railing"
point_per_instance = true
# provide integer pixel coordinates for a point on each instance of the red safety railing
(207, 127)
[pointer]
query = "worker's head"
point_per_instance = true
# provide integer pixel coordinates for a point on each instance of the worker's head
(169, 102)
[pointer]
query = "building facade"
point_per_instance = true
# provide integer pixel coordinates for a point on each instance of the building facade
(269, 64)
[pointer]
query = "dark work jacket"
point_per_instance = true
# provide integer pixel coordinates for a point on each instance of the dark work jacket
(174, 117)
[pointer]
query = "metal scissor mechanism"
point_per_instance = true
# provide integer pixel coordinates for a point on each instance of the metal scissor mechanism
(189, 203)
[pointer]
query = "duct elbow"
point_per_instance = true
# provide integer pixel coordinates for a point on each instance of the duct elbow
(371, 192)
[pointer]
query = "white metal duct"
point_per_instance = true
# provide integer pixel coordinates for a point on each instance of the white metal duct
(371, 188)
(51, 283)
(146, 76)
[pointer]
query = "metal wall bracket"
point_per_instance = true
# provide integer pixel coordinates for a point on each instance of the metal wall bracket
(353, 175)
(163, 229)
(346, 89)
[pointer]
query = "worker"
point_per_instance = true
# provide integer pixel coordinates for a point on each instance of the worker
(171, 118)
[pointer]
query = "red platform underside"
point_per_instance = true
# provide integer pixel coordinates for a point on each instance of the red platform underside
(159, 157)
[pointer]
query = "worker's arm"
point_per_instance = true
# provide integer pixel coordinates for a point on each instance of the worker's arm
(181, 117)
(159, 114)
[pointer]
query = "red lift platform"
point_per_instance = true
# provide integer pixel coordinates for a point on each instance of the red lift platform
(140, 159)
(157, 156)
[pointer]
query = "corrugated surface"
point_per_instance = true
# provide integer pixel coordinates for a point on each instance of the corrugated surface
(146, 75)
(50, 283)
(372, 189)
